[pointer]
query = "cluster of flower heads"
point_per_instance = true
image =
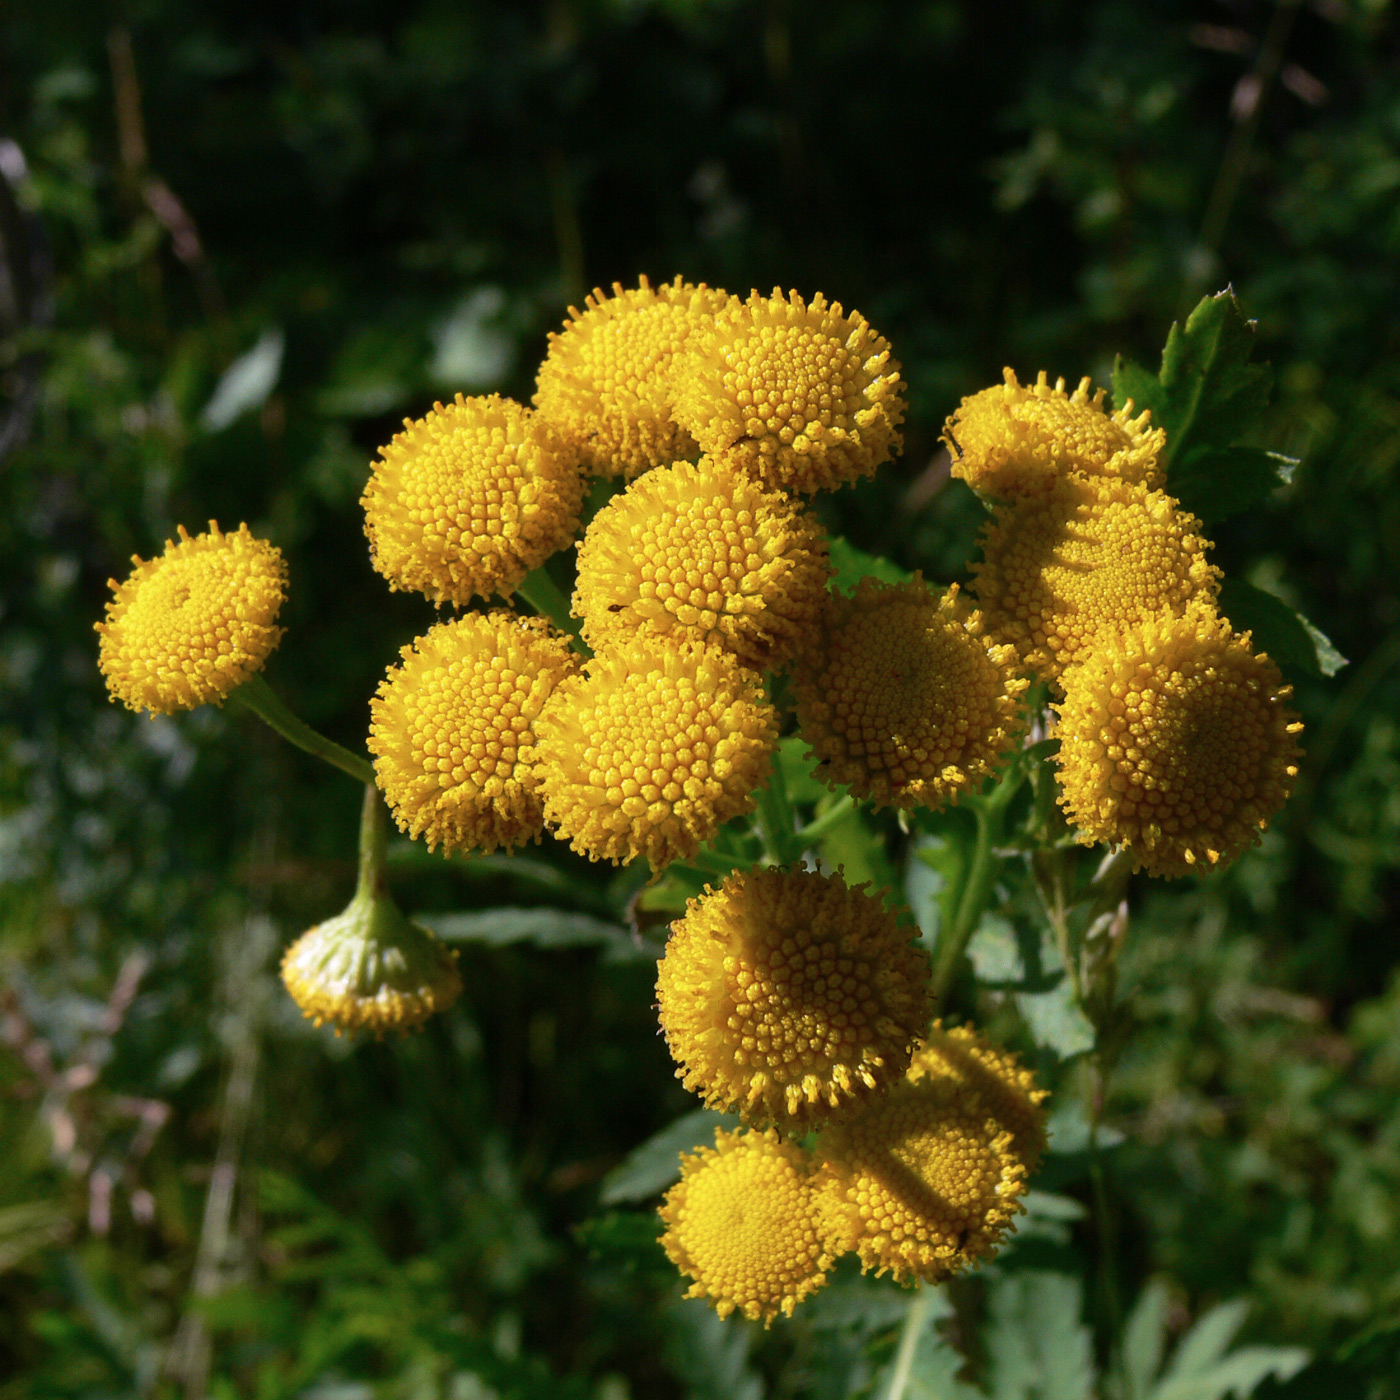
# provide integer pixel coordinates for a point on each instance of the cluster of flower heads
(1176, 739)
(800, 1003)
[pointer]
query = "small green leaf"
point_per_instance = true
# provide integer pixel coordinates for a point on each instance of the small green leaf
(1286, 635)
(649, 1169)
(1208, 396)
(1055, 1020)
(545, 928)
(852, 565)
(1037, 1346)
(1145, 1339)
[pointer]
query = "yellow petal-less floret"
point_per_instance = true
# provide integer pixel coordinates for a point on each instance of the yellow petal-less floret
(187, 628)
(707, 553)
(742, 1223)
(787, 994)
(1177, 741)
(1064, 572)
(922, 1181)
(652, 748)
(1005, 1086)
(903, 698)
(606, 382)
(370, 969)
(466, 501)
(798, 394)
(1016, 440)
(452, 730)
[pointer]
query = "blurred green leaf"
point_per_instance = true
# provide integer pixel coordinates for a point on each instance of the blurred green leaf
(652, 1167)
(1293, 642)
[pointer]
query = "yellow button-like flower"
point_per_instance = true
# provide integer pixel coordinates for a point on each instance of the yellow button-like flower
(452, 730)
(1064, 572)
(786, 994)
(704, 552)
(652, 748)
(1176, 740)
(606, 382)
(742, 1222)
(187, 628)
(1015, 440)
(370, 969)
(922, 1181)
(800, 395)
(903, 698)
(1005, 1086)
(465, 502)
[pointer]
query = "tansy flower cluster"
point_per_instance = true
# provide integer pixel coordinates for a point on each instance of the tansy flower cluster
(1176, 739)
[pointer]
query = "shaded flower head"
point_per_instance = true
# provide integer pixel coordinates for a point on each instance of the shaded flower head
(1005, 1086)
(189, 627)
(1177, 741)
(798, 394)
(703, 552)
(922, 1181)
(466, 501)
(742, 1223)
(452, 730)
(1015, 440)
(1065, 571)
(903, 698)
(786, 994)
(370, 969)
(652, 748)
(606, 382)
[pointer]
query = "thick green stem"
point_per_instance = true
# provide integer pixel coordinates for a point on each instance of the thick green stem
(915, 1318)
(542, 594)
(256, 695)
(977, 886)
(374, 841)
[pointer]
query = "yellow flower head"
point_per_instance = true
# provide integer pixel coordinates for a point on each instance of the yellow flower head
(1015, 440)
(1064, 572)
(465, 502)
(370, 969)
(1176, 740)
(191, 626)
(923, 1180)
(742, 1222)
(452, 730)
(786, 994)
(799, 395)
(902, 697)
(651, 749)
(606, 382)
(996, 1076)
(703, 552)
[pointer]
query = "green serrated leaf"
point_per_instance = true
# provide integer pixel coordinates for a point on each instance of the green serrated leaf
(1217, 482)
(1145, 1339)
(649, 1169)
(1208, 396)
(1294, 642)
(1055, 1020)
(545, 928)
(852, 564)
(1237, 1375)
(1037, 1346)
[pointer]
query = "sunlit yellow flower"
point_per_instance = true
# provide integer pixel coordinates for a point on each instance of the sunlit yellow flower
(1005, 1086)
(800, 395)
(903, 698)
(1065, 571)
(465, 502)
(1176, 740)
(1015, 440)
(703, 552)
(922, 1181)
(452, 730)
(742, 1222)
(606, 381)
(371, 969)
(187, 628)
(654, 746)
(785, 994)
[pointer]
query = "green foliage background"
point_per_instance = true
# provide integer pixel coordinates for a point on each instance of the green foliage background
(242, 242)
